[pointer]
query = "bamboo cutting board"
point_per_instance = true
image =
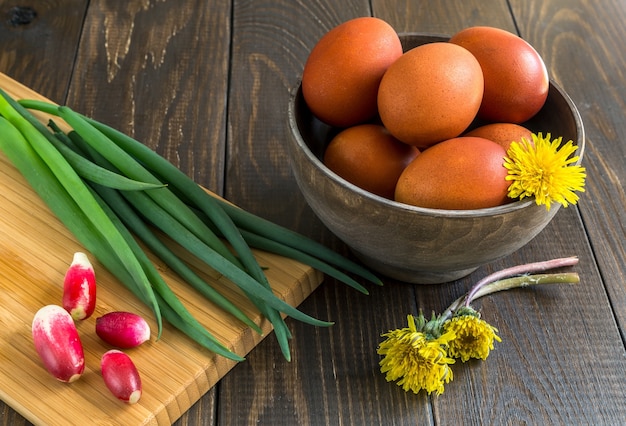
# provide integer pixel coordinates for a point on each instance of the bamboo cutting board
(35, 251)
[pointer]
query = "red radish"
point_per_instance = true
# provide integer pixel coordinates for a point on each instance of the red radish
(122, 329)
(58, 344)
(121, 376)
(79, 288)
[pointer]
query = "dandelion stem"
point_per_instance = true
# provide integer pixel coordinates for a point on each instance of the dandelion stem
(527, 268)
(509, 283)
(526, 280)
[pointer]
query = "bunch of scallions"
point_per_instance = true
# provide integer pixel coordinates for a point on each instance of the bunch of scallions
(110, 191)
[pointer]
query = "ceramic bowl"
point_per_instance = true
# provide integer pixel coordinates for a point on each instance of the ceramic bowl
(414, 244)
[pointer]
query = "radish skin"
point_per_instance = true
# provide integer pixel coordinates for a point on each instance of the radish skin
(121, 376)
(57, 343)
(123, 329)
(79, 288)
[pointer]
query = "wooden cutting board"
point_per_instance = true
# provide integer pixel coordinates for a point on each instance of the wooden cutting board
(35, 251)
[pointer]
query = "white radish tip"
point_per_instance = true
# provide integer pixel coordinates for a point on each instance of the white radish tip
(81, 258)
(134, 397)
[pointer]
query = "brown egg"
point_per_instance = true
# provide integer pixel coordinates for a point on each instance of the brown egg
(502, 133)
(516, 78)
(369, 157)
(461, 173)
(431, 93)
(342, 73)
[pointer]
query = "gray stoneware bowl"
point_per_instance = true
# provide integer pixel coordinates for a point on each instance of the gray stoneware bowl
(413, 244)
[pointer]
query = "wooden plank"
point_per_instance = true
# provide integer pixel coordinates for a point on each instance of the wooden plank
(268, 53)
(521, 379)
(592, 70)
(444, 17)
(35, 250)
(39, 42)
(159, 71)
(270, 46)
(334, 378)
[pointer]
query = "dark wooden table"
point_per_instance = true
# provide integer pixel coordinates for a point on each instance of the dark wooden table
(206, 83)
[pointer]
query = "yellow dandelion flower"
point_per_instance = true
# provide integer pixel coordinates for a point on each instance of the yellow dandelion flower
(474, 336)
(414, 360)
(544, 169)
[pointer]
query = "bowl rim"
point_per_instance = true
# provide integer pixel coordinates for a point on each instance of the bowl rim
(396, 205)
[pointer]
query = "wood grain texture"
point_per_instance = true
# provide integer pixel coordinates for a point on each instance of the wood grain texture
(270, 44)
(444, 17)
(42, 48)
(34, 255)
(528, 392)
(574, 56)
(159, 71)
(149, 66)
(554, 344)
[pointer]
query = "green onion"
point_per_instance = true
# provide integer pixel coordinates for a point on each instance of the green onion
(92, 172)
(135, 224)
(149, 191)
(242, 218)
(81, 195)
(133, 169)
(221, 220)
(271, 246)
(44, 182)
(168, 299)
(238, 216)
(194, 245)
(263, 227)
(281, 332)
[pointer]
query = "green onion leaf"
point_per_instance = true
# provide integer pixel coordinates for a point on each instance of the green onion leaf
(79, 192)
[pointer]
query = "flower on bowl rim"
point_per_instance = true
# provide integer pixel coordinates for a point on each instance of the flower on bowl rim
(544, 169)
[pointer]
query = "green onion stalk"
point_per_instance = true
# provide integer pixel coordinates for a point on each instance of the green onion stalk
(108, 188)
(73, 185)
